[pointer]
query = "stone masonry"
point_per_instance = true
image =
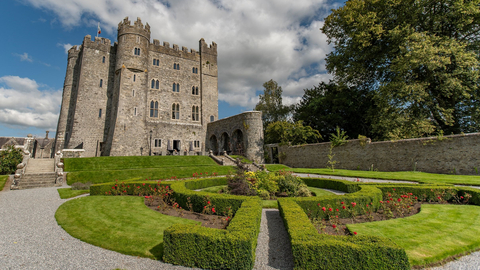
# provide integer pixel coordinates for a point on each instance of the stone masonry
(450, 154)
(137, 97)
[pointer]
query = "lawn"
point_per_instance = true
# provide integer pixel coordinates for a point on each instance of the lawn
(67, 193)
(120, 223)
(436, 233)
(3, 180)
(320, 191)
(134, 162)
(97, 177)
(430, 178)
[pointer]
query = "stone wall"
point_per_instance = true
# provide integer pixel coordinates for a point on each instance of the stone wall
(241, 134)
(450, 154)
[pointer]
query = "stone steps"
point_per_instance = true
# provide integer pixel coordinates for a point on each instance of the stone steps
(40, 165)
(35, 180)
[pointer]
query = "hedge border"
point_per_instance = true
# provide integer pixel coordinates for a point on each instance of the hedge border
(312, 250)
(197, 246)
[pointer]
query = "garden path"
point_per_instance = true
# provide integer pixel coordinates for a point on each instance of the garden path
(353, 179)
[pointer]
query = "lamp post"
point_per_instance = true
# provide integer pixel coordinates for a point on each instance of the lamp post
(150, 152)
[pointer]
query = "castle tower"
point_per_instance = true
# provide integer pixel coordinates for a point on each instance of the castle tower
(127, 121)
(89, 98)
(209, 81)
(68, 85)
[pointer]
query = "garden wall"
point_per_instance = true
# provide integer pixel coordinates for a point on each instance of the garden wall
(449, 154)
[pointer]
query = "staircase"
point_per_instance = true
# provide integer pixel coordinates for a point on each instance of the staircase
(39, 173)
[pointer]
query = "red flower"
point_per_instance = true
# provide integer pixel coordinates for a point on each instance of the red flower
(354, 204)
(336, 209)
(334, 226)
(330, 209)
(399, 200)
(461, 197)
(213, 209)
(410, 194)
(388, 201)
(324, 209)
(393, 189)
(318, 204)
(344, 207)
(381, 201)
(208, 202)
(355, 233)
(204, 207)
(113, 187)
(144, 184)
(416, 198)
(341, 202)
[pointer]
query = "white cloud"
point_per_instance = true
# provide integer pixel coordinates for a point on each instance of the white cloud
(24, 57)
(257, 40)
(66, 46)
(22, 103)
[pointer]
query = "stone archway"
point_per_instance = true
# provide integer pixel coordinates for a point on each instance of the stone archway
(225, 143)
(214, 144)
(238, 147)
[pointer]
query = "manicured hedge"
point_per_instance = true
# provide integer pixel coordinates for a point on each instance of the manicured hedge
(234, 248)
(314, 251)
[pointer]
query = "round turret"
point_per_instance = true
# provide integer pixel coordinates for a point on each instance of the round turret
(133, 42)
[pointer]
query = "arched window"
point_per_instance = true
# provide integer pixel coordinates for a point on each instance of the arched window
(174, 87)
(154, 62)
(157, 85)
(175, 111)
(153, 83)
(195, 114)
(178, 66)
(193, 70)
(193, 90)
(103, 59)
(101, 82)
(153, 109)
(196, 90)
(178, 87)
(174, 65)
(212, 118)
(137, 51)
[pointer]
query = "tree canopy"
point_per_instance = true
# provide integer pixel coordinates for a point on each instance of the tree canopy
(419, 59)
(9, 159)
(270, 104)
(285, 132)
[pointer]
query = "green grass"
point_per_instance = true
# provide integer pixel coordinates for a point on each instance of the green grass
(434, 234)
(320, 191)
(134, 162)
(97, 177)
(118, 223)
(3, 180)
(430, 178)
(270, 204)
(276, 167)
(214, 189)
(67, 193)
(242, 159)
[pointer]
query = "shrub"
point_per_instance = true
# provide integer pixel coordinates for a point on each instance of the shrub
(81, 186)
(238, 184)
(9, 159)
(291, 184)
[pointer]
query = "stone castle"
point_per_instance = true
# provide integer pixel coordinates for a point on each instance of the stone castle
(141, 98)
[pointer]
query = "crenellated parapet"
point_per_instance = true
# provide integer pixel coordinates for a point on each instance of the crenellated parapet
(99, 43)
(125, 27)
(208, 49)
(174, 51)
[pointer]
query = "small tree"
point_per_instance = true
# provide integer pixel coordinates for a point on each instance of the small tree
(285, 132)
(9, 159)
(270, 104)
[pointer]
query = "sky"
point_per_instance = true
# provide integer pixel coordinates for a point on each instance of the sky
(257, 40)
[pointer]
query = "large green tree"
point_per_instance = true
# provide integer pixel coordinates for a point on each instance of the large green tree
(328, 105)
(419, 58)
(285, 132)
(270, 104)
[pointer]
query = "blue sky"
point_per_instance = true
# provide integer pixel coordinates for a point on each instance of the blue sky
(257, 41)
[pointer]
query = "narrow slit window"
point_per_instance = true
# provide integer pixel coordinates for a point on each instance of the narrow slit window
(157, 84)
(153, 83)
(135, 111)
(101, 82)
(100, 113)
(103, 59)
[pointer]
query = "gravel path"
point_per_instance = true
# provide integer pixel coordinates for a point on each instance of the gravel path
(273, 246)
(31, 239)
(353, 179)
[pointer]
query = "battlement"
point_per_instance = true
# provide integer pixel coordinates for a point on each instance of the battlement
(174, 51)
(125, 27)
(74, 50)
(205, 48)
(99, 43)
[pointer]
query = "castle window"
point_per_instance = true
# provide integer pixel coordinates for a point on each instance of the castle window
(212, 118)
(196, 90)
(157, 84)
(176, 66)
(101, 82)
(134, 77)
(153, 83)
(133, 92)
(100, 113)
(193, 90)
(103, 59)
(153, 108)
(176, 87)
(195, 113)
(158, 143)
(156, 62)
(135, 111)
(196, 144)
(175, 111)
(137, 51)
(195, 70)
